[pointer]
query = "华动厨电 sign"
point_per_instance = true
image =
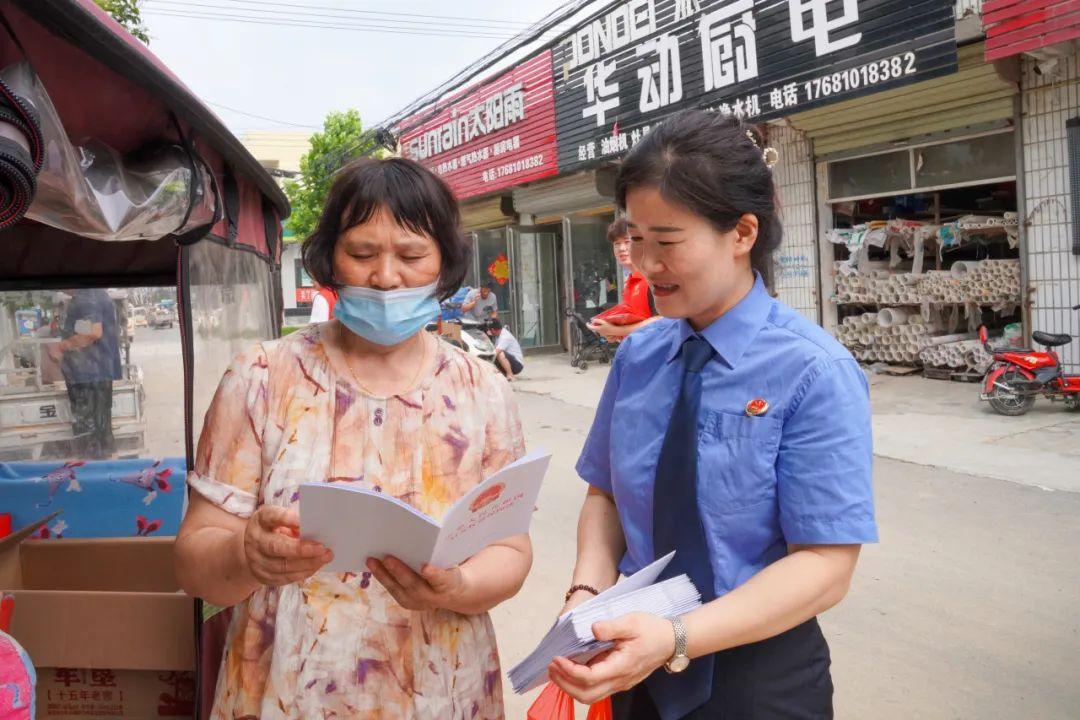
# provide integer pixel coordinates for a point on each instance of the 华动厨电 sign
(637, 61)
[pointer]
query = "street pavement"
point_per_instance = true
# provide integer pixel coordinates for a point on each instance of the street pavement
(968, 608)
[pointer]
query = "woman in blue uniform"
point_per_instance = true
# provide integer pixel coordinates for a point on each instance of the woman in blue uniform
(734, 432)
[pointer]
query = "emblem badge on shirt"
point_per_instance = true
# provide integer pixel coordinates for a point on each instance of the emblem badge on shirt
(757, 406)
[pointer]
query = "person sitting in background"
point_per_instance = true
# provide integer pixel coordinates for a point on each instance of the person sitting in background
(480, 305)
(508, 356)
(636, 293)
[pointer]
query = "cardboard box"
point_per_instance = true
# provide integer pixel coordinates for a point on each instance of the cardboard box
(102, 611)
(451, 331)
(78, 694)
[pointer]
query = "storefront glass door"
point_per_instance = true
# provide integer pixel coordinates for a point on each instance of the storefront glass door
(494, 269)
(597, 278)
(537, 286)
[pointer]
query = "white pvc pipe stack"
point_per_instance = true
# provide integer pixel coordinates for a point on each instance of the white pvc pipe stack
(961, 268)
(888, 317)
(899, 334)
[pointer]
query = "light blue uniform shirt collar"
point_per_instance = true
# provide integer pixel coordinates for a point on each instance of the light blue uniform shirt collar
(733, 332)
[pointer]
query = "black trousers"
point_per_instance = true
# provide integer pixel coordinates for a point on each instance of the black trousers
(785, 677)
(515, 364)
(91, 419)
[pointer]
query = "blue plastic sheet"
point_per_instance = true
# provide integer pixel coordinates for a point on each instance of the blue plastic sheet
(104, 498)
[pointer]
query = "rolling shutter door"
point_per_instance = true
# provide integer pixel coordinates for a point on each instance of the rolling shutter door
(976, 94)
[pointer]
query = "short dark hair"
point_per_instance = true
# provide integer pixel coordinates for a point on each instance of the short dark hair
(494, 324)
(712, 165)
(488, 285)
(617, 229)
(416, 198)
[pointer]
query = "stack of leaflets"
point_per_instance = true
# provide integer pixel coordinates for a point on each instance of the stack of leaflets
(572, 635)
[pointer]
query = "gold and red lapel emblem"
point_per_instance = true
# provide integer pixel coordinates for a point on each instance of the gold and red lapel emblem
(757, 406)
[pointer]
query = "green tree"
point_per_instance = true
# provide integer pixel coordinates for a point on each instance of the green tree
(127, 13)
(342, 139)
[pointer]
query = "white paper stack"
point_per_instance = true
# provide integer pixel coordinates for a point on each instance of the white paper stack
(572, 635)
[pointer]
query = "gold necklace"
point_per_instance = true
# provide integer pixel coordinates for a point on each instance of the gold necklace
(369, 391)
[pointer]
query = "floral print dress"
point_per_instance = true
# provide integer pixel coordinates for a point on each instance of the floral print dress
(338, 645)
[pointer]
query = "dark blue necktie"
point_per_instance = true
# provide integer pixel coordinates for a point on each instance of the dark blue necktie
(677, 526)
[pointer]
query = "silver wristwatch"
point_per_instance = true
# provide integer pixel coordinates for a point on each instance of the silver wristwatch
(679, 660)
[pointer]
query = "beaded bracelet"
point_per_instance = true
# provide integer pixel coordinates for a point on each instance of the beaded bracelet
(575, 588)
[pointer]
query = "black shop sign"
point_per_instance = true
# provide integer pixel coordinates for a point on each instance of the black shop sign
(637, 61)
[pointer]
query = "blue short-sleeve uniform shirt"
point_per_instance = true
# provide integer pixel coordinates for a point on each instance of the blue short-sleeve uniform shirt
(799, 473)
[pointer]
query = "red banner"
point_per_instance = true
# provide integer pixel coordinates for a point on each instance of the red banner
(491, 137)
(1018, 27)
(305, 294)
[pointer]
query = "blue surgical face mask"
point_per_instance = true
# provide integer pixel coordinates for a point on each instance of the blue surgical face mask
(387, 317)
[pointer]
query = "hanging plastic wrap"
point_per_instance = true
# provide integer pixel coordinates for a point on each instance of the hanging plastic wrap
(92, 190)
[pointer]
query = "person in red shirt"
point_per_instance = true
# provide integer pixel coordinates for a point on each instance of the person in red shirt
(322, 305)
(637, 297)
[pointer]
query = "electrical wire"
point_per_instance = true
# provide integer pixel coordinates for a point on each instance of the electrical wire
(537, 30)
(512, 24)
(261, 117)
(547, 24)
(325, 24)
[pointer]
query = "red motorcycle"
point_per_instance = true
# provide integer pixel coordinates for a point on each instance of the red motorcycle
(1018, 375)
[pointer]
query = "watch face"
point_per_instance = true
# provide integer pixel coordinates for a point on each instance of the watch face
(678, 663)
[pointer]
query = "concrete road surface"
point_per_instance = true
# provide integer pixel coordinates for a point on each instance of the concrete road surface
(969, 607)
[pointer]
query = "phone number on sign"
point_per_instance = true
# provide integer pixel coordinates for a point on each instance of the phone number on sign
(875, 73)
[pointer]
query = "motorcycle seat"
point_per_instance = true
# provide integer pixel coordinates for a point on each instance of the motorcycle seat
(1049, 340)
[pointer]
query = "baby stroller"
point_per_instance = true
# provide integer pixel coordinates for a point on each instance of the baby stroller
(588, 344)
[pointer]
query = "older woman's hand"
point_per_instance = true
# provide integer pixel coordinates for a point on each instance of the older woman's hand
(431, 589)
(643, 643)
(274, 553)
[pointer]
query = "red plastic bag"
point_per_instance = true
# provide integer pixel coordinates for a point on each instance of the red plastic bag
(600, 710)
(554, 704)
(621, 314)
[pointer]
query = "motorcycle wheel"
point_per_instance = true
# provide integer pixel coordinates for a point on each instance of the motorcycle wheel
(1072, 403)
(1010, 404)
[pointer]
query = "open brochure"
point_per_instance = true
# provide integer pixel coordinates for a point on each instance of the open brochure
(358, 524)
(572, 635)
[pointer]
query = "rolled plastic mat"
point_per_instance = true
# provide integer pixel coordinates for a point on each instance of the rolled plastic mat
(22, 152)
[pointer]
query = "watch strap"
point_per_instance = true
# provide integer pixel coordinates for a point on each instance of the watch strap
(680, 637)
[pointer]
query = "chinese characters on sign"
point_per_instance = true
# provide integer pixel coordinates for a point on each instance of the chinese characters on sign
(637, 61)
(603, 95)
(498, 111)
(661, 81)
(820, 26)
(728, 45)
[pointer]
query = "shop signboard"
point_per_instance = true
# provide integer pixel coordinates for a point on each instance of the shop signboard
(305, 295)
(1017, 27)
(492, 136)
(637, 61)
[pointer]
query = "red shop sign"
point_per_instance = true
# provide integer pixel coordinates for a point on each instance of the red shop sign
(305, 294)
(492, 137)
